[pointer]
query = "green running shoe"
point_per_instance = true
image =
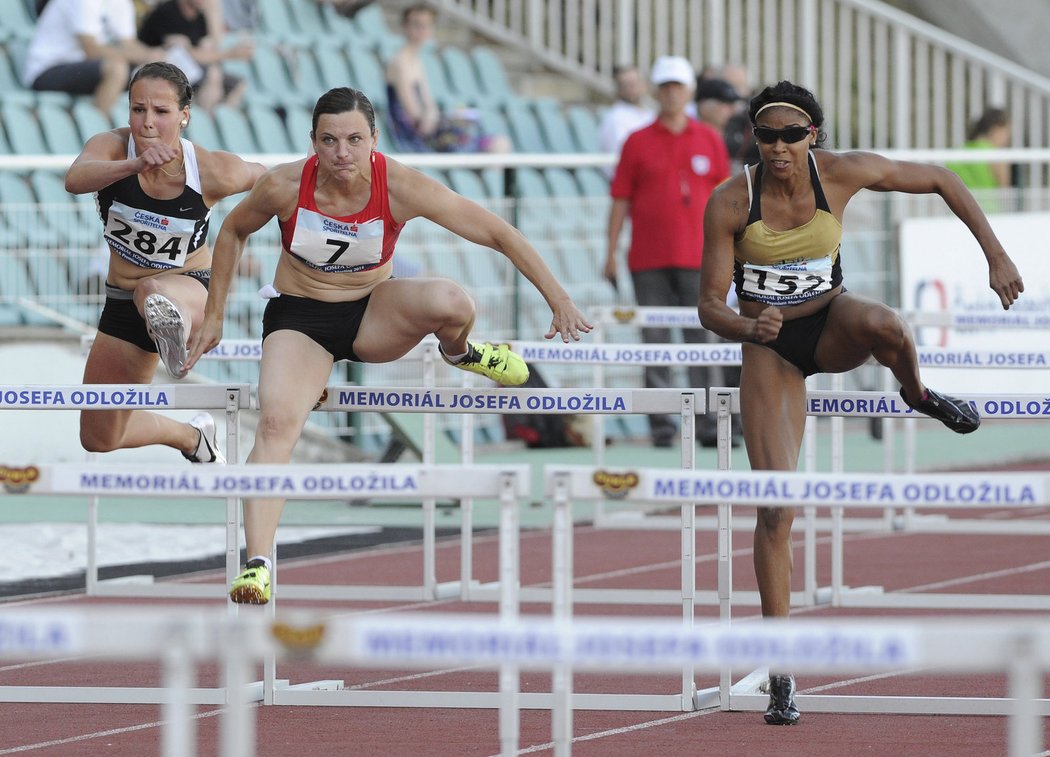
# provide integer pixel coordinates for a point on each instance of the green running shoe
(493, 361)
(252, 586)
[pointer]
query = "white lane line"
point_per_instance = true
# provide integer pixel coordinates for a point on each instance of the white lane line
(102, 734)
(617, 731)
(978, 577)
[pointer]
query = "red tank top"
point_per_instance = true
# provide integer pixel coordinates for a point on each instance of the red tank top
(357, 242)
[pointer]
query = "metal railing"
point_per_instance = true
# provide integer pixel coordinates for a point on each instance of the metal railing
(884, 78)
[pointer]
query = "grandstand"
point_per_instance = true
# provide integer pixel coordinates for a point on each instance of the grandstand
(543, 82)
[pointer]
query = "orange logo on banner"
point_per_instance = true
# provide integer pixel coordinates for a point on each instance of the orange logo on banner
(298, 640)
(623, 315)
(615, 485)
(18, 480)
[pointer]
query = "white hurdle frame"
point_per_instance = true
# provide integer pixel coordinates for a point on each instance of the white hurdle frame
(230, 399)
(486, 400)
(182, 638)
(505, 483)
(566, 484)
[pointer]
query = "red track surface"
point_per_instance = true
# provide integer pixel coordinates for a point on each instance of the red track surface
(647, 559)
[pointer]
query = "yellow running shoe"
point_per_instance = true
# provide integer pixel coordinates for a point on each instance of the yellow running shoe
(252, 586)
(494, 361)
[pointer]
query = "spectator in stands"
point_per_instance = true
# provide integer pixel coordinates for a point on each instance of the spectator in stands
(667, 170)
(716, 103)
(154, 191)
(628, 114)
(191, 33)
(769, 232)
(417, 122)
(340, 212)
(85, 47)
(737, 132)
(990, 131)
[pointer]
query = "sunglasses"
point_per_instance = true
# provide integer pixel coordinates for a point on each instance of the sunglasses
(789, 135)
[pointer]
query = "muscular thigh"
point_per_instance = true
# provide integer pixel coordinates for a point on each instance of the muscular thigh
(772, 409)
(402, 311)
(850, 333)
(293, 371)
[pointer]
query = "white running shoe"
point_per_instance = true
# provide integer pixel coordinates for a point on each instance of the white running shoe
(207, 450)
(165, 326)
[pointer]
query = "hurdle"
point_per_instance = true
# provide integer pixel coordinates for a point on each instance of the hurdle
(505, 484)
(156, 397)
(567, 484)
(180, 640)
(471, 401)
(183, 638)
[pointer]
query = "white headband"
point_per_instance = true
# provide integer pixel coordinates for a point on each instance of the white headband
(784, 105)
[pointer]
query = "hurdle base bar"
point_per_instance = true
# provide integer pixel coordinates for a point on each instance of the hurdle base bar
(895, 705)
(483, 700)
(123, 694)
(446, 590)
(919, 524)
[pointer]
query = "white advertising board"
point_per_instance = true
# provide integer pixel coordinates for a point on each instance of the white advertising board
(944, 270)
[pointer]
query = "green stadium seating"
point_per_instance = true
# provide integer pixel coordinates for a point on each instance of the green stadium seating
(60, 131)
(23, 132)
(233, 126)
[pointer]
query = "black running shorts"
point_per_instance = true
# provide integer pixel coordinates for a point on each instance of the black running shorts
(333, 325)
(120, 318)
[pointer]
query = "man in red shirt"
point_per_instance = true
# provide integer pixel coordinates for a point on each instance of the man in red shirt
(665, 175)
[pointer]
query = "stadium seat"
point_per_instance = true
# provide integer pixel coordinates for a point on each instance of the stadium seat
(440, 89)
(592, 182)
(299, 122)
(9, 80)
(276, 20)
(203, 132)
(22, 213)
(468, 183)
(233, 126)
(524, 127)
(491, 76)
(273, 75)
(60, 131)
(332, 65)
(270, 134)
(5, 148)
(76, 225)
(368, 75)
(23, 132)
(89, 119)
(309, 79)
(562, 184)
(15, 283)
(16, 21)
(371, 26)
(555, 126)
(461, 76)
(584, 128)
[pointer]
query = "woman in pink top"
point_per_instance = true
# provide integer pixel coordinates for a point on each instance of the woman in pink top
(340, 212)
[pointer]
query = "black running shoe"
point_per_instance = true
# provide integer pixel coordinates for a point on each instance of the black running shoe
(782, 709)
(954, 413)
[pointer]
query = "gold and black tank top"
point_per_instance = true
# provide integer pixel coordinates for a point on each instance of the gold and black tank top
(792, 266)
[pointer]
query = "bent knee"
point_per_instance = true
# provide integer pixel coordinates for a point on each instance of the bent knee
(96, 440)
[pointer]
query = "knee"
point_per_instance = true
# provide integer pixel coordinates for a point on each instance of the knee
(95, 439)
(887, 327)
(774, 523)
(455, 306)
(114, 66)
(277, 434)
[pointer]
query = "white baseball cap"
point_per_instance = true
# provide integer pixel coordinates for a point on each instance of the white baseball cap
(673, 68)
